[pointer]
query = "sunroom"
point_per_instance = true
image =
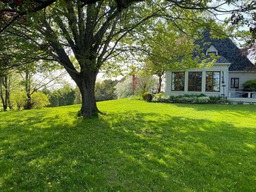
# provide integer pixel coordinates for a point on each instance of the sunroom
(211, 81)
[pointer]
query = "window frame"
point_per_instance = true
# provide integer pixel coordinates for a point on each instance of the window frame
(212, 81)
(179, 80)
(233, 83)
(212, 50)
(195, 81)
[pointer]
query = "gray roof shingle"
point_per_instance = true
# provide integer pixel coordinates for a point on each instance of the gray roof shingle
(228, 51)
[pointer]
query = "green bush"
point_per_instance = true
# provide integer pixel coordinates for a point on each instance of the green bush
(193, 98)
(18, 99)
(159, 95)
(215, 99)
(250, 84)
(202, 100)
(147, 96)
(39, 100)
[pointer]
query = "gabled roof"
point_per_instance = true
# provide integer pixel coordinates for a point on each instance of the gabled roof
(228, 51)
(222, 59)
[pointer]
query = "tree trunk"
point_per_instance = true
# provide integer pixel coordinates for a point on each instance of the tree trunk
(134, 83)
(28, 104)
(4, 93)
(8, 94)
(160, 79)
(4, 103)
(86, 86)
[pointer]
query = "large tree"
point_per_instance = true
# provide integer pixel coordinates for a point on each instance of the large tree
(243, 20)
(92, 32)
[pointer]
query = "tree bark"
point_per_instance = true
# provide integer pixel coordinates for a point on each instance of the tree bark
(28, 104)
(5, 94)
(86, 86)
(159, 83)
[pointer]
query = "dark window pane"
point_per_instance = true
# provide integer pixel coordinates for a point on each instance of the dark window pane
(178, 79)
(212, 81)
(234, 82)
(194, 81)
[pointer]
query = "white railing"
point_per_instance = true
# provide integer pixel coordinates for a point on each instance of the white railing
(241, 94)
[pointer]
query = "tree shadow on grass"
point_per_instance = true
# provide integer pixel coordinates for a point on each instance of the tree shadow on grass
(126, 152)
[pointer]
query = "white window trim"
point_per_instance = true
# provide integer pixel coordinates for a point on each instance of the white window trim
(212, 49)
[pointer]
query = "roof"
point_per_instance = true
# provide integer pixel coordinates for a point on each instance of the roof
(222, 59)
(228, 51)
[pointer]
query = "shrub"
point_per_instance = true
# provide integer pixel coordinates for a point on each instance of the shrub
(193, 98)
(19, 99)
(159, 95)
(202, 100)
(250, 84)
(147, 96)
(217, 99)
(39, 100)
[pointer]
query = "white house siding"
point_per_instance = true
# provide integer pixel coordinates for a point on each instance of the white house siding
(223, 68)
(243, 77)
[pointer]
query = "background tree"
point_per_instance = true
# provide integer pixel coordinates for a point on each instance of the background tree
(243, 20)
(5, 80)
(62, 96)
(105, 90)
(39, 100)
(123, 89)
(169, 49)
(19, 99)
(145, 83)
(36, 76)
(5, 84)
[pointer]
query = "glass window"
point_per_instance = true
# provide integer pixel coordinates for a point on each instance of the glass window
(195, 81)
(178, 79)
(212, 81)
(234, 82)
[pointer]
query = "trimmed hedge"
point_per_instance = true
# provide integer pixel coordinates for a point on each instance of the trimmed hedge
(192, 99)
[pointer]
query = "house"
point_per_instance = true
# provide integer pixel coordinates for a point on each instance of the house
(224, 78)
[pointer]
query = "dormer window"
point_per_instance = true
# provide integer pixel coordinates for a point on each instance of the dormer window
(212, 50)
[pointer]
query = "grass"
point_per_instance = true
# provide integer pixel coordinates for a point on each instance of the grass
(137, 146)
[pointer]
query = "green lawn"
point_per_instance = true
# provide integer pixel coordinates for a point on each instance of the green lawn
(137, 146)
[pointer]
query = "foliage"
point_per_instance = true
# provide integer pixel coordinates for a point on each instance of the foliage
(192, 99)
(147, 96)
(137, 146)
(63, 96)
(145, 83)
(39, 100)
(105, 90)
(78, 98)
(5, 85)
(215, 99)
(169, 48)
(124, 88)
(19, 99)
(250, 84)
(243, 22)
(135, 85)
(159, 95)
